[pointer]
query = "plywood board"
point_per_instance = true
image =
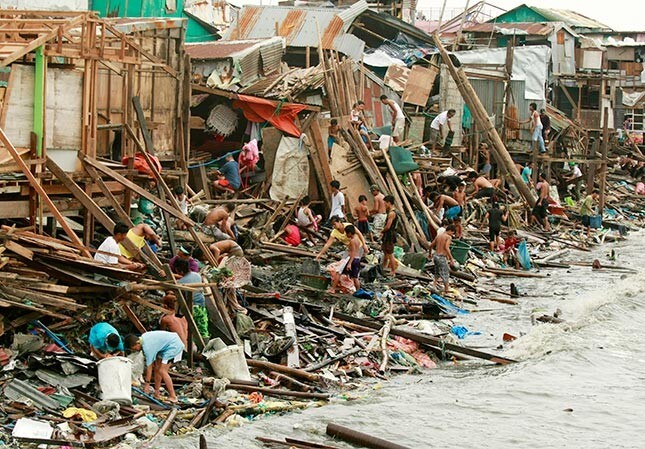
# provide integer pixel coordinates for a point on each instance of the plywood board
(396, 77)
(419, 85)
(346, 169)
(64, 94)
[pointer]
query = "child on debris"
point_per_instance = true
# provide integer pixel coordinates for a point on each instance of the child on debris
(510, 249)
(354, 249)
(332, 135)
(305, 217)
(362, 213)
(587, 209)
(182, 199)
(352, 263)
(442, 258)
(171, 322)
(200, 314)
(160, 349)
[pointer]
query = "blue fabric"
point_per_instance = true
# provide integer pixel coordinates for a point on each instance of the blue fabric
(523, 255)
(363, 294)
(194, 278)
(527, 172)
(453, 212)
(161, 344)
(231, 172)
(98, 335)
(461, 332)
(331, 140)
(447, 305)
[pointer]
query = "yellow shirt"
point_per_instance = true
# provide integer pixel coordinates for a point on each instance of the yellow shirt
(341, 236)
(138, 240)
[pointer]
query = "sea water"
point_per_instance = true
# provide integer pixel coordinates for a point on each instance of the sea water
(577, 384)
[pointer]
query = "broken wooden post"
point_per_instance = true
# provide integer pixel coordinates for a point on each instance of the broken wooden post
(360, 438)
(481, 118)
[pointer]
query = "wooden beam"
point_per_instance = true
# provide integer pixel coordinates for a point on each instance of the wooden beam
(36, 185)
(40, 41)
(131, 185)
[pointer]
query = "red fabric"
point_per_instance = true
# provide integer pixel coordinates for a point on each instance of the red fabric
(262, 110)
(293, 237)
(141, 165)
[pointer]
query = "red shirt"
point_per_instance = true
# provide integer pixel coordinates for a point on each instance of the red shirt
(293, 235)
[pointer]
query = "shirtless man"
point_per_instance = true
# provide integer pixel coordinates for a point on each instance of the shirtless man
(226, 248)
(398, 119)
(442, 201)
(484, 188)
(536, 128)
(460, 195)
(218, 222)
(378, 212)
(540, 211)
(353, 266)
(171, 322)
(442, 258)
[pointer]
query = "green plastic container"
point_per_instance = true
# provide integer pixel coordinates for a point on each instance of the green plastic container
(460, 251)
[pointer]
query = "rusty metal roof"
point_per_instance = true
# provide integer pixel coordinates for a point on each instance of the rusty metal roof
(531, 28)
(220, 49)
(301, 27)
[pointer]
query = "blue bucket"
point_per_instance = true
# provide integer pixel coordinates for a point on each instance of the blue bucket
(595, 221)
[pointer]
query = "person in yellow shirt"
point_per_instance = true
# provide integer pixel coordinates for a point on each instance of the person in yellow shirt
(138, 235)
(338, 235)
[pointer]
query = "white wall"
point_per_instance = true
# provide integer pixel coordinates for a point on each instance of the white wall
(49, 5)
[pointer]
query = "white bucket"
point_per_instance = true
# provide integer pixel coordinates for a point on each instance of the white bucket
(115, 379)
(228, 362)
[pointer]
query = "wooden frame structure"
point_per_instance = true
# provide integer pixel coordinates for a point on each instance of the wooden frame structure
(105, 62)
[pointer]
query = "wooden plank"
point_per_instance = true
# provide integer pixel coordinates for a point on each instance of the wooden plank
(36, 185)
(80, 195)
(19, 249)
(131, 185)
(133, 317)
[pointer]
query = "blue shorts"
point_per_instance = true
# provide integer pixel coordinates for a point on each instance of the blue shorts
(453, 212)
(331, 140)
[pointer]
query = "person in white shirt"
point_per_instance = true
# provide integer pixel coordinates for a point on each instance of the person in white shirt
(437, 125)
(398, 119)
(109, 252)
(337, 200)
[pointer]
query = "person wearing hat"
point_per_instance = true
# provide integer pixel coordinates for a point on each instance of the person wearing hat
(184, 253)
(230, 171)
(378, 213)
(105, 341)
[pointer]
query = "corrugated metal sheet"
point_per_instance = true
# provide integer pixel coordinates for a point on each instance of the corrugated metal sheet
(350, 14)
(301, 27)
(292, 24)
(250, 67)
(219, 49)
(20, 391)
(491, 94)
(350, 45)
(536, 29)
(571, 18)
(271, 57)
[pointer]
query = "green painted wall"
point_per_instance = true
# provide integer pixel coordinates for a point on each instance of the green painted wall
(152, 8)
(520, 14)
